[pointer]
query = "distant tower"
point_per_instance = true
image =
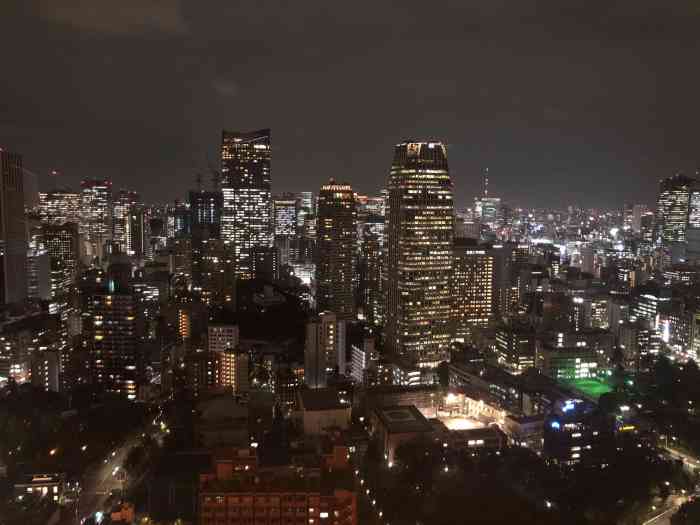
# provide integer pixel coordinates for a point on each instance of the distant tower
(420, 217)
(336, 250)
(245, 181)
(13, 234)
(97, 212)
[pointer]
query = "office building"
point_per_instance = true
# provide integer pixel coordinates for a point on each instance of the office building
(515, 347)
(124, 202)
(97, 212)
(13, 234)
(672, 213)
(139, 233)
(206, 208)
(420, 215)
(245, 182)
(62, 242)
(336, 247)
(285, 215)
(60, 207)
(324, 350)
(111, 333)
(265, 263)
(38, 272)
(473, 287)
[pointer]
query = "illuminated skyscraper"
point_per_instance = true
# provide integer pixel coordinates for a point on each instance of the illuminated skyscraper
(59, 207)
(336, 250)
(62, 243)
(138, 232)
(123, 205)
(206, 208)
(420, 216)
(672, 209)
(324, 350)
(285, 207)
(245, 181)
(13, 235)
(97, 212)
(473, 287)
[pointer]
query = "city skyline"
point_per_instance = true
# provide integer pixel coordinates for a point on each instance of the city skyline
(583, 119)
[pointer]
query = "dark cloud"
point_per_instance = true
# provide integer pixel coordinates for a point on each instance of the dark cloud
(580, 102)
(126, 17)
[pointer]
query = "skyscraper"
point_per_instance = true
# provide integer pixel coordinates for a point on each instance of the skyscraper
(96, 222)
(324, 350)
(206, 208)
(245, 181)
(336, 250)
(473, 287)
(285, 207)
(13, 235)
(123, 204)
(672, 209)
(420, 216)
(59, 207)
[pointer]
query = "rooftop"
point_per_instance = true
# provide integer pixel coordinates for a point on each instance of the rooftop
(314, 399)
(399, 419)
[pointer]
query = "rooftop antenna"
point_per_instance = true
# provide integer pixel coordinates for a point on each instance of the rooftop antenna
(198, 178)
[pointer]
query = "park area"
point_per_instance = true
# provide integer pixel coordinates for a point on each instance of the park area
(590, 387)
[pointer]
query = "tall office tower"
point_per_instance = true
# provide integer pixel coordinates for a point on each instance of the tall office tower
(59, 207)
(336, 250)
(324, 350)
(265, 263)
(692, 253)
(138, 232)
(420, 216)
(245, 182)
(285, 220)
(38, 282)
(206, 208)
(638, 211)
(62, 243)
(371, 282)
(96, 207)
(305, 206)
(672, 209)
(13, 235)
(178, 220)
(213, 274)
(473, 287)
(112, 340)
(124, 202)
(285, 208)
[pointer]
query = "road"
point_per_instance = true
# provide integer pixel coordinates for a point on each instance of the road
(662, 518)
(103, 477)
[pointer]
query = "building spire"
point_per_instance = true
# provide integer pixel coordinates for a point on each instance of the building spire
(486, 182)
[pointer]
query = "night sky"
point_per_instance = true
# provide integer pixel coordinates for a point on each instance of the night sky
(586, 101)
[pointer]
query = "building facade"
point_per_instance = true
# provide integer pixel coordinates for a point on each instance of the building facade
(420, 216)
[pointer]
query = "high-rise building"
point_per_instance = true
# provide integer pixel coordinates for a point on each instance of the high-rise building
(336, 250)
(13, 235)
(139, 232)
(206, 209)
(305, 206)
(96, 208)
(245, 181)
(265, 263)
(123, 204)
(285, 208)
(672, 209)
(62, 243)
(38, 282)
(59, 207)
(516, 347)
(113, 342)
(420, 216)
(473, 287)
(324, 351)
(371, 268)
